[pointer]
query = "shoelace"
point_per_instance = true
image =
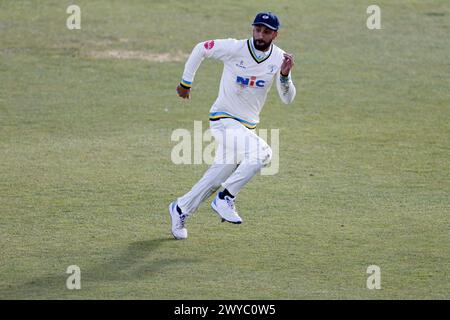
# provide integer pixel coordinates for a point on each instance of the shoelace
(230, 202)
(182, 220)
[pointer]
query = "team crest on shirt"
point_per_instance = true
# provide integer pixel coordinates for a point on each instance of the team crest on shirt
(209, 45)
(271, 69)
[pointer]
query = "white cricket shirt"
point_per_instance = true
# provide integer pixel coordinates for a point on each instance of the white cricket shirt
(247, 77)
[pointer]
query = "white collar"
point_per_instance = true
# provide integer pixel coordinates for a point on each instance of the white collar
(259, 54)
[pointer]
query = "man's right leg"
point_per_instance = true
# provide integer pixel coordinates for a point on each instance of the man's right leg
(208, 184)
(212, 179)
(184, 206)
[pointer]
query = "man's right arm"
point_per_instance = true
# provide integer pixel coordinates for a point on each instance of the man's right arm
(218, 49)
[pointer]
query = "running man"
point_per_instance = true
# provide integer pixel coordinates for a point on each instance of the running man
(250, 68)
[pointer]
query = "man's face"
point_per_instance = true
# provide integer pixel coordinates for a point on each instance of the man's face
(262, 37)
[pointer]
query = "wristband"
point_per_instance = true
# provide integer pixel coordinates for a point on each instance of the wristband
(284, 79)
(186, 84)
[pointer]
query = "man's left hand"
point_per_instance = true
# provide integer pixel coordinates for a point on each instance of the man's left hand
(288, 63)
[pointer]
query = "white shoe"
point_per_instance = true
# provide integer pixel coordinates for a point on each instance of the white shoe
(179, 231)
(225, 209)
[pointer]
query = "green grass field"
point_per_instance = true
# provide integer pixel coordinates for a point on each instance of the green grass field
(86, 176)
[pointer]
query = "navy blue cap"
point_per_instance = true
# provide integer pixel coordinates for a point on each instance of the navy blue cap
(267, 19)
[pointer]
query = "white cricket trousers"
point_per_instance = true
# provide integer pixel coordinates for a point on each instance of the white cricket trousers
(240, 154)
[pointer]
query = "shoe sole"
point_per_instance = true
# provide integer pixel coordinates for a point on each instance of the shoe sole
(223, 219)
(170, 213)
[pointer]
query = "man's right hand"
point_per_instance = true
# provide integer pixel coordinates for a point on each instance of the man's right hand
(183, 92)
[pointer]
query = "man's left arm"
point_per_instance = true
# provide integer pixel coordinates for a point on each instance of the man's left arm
(285, 86)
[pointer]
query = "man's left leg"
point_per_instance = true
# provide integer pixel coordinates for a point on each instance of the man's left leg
(256, 155)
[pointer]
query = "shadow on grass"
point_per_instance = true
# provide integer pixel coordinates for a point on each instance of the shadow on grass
(137, 261)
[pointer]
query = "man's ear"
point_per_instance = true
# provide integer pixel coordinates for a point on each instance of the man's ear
(275, 34)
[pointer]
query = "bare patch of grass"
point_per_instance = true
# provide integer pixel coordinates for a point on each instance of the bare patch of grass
(139, 55)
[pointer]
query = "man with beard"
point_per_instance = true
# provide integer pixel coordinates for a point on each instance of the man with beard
(250, 68)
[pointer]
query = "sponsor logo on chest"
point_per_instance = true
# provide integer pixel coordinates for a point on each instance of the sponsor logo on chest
(250, 82)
